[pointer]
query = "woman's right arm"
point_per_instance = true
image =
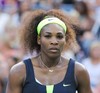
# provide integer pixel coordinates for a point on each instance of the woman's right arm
(16, 78)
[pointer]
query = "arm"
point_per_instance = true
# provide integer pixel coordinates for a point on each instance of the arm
(82, 79)
(16, 78)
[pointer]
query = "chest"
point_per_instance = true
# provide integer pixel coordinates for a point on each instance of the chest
(49, 78)
(62, 80)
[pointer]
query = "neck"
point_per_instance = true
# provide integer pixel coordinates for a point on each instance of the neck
(49, 62)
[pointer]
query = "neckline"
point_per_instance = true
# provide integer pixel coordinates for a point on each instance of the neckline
(64, 79)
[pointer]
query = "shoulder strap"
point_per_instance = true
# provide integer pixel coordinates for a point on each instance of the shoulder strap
(29, 70)
(70, 71)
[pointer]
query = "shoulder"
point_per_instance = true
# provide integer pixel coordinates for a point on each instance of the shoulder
(17, 73)
(19, 67)
(81, 74)
(82, 78)
(79, 68)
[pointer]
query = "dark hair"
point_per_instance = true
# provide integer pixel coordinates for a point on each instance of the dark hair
(29, 30)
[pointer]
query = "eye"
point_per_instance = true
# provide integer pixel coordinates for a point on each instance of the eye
(47, 36)
(60, 36)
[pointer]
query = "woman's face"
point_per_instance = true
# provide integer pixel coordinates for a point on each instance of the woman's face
(52, 40)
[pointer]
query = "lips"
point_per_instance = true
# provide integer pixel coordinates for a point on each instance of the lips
(53, 49)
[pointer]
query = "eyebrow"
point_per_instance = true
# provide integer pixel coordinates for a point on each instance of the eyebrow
(50, 33)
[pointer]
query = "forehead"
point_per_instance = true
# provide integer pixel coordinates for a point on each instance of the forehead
(52, 28)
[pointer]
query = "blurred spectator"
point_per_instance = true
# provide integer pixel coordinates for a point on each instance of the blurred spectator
(3, 74)
(86, 41)
(7, 50)
(86, 22)
(1, 86)
(4, 17)
(96, 30)
(57, 4)
(8, 57)
(23, 7)
(10, 6)
(84, 38)
(92, 63)
(12, 61)
(41, 4)
(96, 26)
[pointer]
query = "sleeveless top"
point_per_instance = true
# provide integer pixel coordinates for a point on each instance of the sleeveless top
(68, 85)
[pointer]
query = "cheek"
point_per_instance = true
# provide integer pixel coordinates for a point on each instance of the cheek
(62, 44)
(44, 44)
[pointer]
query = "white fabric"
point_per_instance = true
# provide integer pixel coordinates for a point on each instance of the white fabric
(38, 81)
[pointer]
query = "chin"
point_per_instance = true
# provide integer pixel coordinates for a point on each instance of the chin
(54, 55)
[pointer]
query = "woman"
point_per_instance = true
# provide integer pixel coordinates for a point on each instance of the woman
(48, 32)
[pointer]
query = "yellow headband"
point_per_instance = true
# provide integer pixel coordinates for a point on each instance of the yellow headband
(49, 21)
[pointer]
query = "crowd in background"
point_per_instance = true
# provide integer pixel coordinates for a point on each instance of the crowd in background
(85, 12)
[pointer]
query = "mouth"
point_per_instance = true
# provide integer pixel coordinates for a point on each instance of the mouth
(54, 50)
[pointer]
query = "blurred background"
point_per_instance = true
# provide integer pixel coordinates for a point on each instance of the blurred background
(86, 12)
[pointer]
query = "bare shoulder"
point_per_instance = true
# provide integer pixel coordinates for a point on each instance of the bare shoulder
(17, 72)
(18, 68)
(16, 78)
(80, 70)
(83, 79)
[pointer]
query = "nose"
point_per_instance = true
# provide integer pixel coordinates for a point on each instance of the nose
(54, 41)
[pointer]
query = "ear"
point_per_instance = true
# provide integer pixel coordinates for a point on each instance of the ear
(38, 40)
